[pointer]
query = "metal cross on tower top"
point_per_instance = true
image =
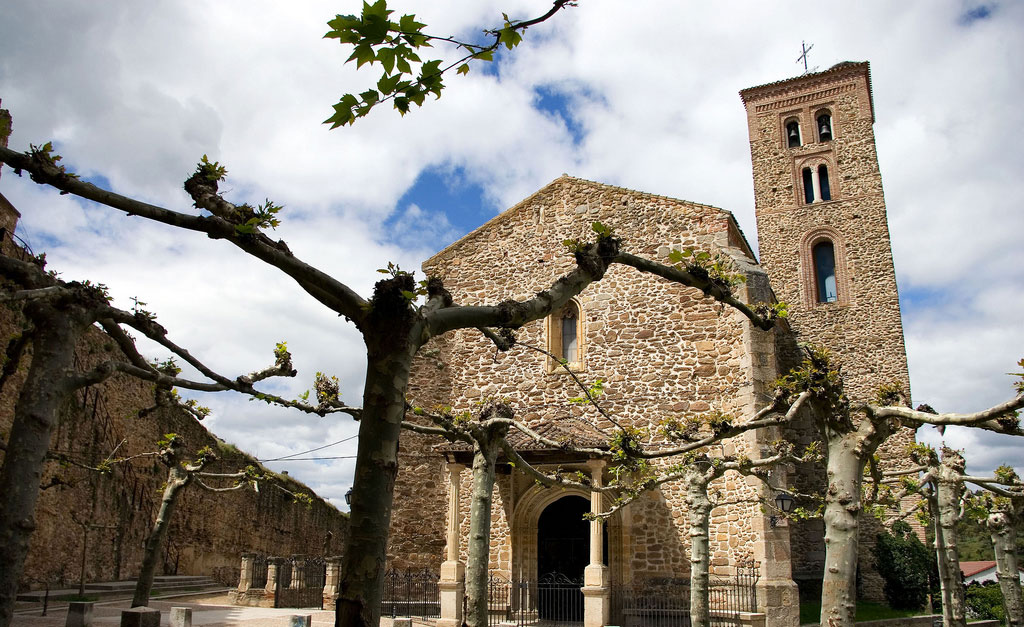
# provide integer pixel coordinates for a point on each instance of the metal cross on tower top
(803, 55)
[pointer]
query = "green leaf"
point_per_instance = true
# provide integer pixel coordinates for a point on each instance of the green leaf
(463, 69)
(386, 56)
(408, 24)
(387, 84)
(509, 37)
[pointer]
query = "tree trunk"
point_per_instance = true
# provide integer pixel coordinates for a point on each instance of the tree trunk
(177, 480)
(699, 512)
(949, 491)
(842, 511)
(485, 453)
(365, 555)
(1004, 541)
(35, 416)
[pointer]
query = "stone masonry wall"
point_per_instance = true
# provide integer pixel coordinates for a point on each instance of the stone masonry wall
(661, 350)
(208, 532)
(863, 329)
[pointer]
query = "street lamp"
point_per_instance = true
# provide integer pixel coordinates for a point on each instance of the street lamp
(784, 504)
(348, 497)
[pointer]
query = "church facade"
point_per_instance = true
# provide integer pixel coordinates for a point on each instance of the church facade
(662, 350)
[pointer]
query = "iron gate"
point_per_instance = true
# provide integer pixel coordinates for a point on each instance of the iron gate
(301, 583)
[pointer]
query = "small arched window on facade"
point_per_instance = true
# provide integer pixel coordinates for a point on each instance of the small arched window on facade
(826, 189)
(565, 336)
(824, 257)
(793, 134)
(808, 186)
(824, 127)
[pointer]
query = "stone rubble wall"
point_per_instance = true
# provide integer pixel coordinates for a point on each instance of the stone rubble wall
(209, 531)
(661, 350)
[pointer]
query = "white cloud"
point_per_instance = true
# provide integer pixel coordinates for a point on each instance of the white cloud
(136, 92)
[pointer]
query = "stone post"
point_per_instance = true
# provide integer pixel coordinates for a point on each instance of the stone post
(270, 591)
(140, 617)
(332, 583)
(181, 617)
(79, 614)
(246, 572)
(452, 584)
(596, 581)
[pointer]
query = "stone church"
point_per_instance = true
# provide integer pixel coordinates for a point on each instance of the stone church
(662, 349)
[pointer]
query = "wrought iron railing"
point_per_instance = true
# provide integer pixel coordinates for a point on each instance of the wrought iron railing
(552, 599)
(259, 572)
(300, 582)
(411, 593)
(665, 602)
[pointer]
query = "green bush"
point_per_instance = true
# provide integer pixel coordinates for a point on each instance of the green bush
(906, 565)
(985, 602)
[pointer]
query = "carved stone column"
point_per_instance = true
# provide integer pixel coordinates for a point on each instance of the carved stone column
(332, 582)
(596, 580)
(452, 584)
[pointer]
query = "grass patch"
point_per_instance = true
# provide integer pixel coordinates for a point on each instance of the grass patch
(76, 598)
(810, 612)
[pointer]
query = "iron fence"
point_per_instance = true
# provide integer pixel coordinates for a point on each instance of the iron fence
(411, 593)
(553, 599)
(665, 602)
(300, 582)
(259, 572)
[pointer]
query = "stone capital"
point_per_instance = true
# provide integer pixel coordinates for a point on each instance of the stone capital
(453, 571)
(596, 576)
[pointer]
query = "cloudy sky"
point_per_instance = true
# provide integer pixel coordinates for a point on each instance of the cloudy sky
(641, 94)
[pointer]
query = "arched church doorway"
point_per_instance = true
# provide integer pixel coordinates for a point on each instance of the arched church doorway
(563, 538)
(563, 552)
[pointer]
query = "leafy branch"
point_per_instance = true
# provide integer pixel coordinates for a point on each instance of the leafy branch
(406, 78)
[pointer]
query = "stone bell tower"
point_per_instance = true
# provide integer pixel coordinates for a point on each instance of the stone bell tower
(824, 242)
(821, 220)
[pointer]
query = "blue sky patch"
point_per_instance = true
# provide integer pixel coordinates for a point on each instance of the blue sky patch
(975, 14)
(916, 300)
(555, 102)
(446, 190)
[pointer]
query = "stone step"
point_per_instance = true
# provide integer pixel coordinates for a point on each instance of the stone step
(107, 590)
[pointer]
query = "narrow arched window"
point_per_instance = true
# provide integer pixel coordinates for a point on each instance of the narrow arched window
(565, 337)
(824, 255)
(824, 127)
(793, 134)
(570, 339)
(808, 186)
(826, 190)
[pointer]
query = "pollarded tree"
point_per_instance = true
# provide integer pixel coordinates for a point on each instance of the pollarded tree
(629, 458)
(943, 486)
(851, 436)
(57, 314)
(1003, 509)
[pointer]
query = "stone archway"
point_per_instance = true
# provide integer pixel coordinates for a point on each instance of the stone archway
(526, 519)
(563, 537)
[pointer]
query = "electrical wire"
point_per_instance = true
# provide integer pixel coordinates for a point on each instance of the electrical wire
(288, 457)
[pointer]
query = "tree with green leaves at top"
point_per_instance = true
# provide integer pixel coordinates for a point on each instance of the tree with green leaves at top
(399, 318)
(851, 437)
